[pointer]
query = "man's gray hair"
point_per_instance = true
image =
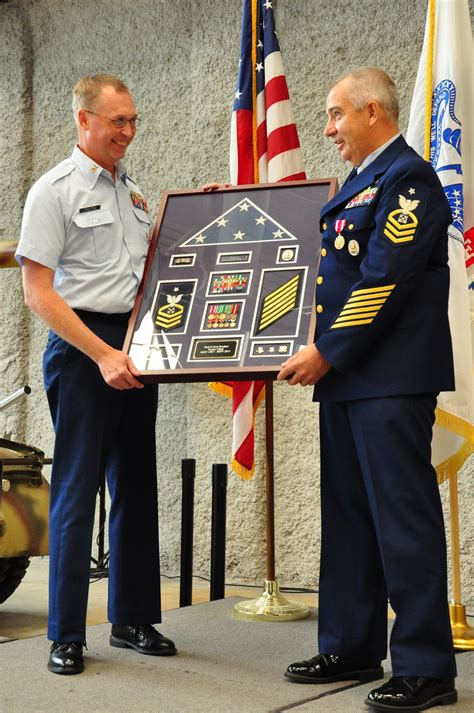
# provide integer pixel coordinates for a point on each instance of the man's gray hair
(87, 90)
(372, 83)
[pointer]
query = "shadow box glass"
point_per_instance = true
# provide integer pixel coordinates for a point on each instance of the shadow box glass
(228, 286)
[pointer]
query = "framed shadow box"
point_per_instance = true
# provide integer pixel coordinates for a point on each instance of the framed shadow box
(228, 286)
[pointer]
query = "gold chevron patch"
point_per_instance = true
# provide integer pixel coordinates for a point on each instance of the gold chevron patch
(402, 223)
(278, 303)
(169, 316)
(362, 306)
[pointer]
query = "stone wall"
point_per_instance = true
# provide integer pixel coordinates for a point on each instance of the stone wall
(180, 60)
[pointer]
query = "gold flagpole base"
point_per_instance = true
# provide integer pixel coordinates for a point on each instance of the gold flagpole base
(463, 634)
(270, 606)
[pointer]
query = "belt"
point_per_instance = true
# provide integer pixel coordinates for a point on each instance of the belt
(102, 317)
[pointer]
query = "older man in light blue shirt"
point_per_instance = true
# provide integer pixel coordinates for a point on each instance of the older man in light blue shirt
(82, 250)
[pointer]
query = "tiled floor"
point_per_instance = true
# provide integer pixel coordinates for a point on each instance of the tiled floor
(24, 614)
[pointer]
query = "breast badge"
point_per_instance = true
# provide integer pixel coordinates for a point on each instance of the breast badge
(139, 201)
(353, 247)
(340, 241)
(365, 197)
(402, 223)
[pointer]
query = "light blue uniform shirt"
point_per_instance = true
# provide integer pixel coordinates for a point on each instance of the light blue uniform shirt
(93, 232)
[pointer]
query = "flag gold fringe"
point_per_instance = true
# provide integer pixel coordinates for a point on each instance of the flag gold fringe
(450, 467)
(242, 472)
(460, 427)
(456, 425)
(429, 79)
(220, 388)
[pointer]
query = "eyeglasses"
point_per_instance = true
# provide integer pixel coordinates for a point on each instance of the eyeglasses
(120, 122)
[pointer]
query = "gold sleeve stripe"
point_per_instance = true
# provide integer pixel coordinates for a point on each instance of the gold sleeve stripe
(279, 301)
(351, 324)
(362, 306)
(347, 317)
(293, 282)
(357, 308)
(373, 289)
(359, 301)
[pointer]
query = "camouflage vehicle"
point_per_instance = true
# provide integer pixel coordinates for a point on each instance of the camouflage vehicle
(24, 508)
(24, 492)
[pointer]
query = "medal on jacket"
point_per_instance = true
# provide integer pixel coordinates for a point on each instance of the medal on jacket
(339, 242)
(353, 247)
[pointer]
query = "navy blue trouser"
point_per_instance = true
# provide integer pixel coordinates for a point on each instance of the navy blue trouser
(383, 536)
(100, 430)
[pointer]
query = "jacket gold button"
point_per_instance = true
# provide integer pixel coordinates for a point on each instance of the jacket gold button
(323, 252)
(325, 225)
(319, 309)
(320, 280)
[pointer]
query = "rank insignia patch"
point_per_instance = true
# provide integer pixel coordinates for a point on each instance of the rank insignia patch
(172, 305)
(279, 302)
(402, 223)
(139, 201)
(365, 197)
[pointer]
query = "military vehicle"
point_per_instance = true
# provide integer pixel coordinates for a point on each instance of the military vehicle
(24, 507)
(24, 492)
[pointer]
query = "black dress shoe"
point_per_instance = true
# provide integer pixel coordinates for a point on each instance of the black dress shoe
(144, 639)
(66, 657)
(412, 693)
(326, 668)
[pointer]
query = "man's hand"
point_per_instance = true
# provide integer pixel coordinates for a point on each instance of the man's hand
(119, 371)
(216, 186)
(306, 367)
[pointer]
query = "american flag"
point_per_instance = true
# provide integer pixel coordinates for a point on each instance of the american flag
(264, 148)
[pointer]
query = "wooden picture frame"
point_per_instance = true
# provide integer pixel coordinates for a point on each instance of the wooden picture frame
(228, 287)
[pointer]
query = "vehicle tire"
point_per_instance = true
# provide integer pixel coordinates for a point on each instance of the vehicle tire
(12, 571)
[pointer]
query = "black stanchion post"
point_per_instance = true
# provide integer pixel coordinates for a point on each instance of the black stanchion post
(219, 495)
(188, 471)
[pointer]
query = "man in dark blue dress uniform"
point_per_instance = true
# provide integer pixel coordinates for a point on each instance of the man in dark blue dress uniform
(382, 353)
(83, 246)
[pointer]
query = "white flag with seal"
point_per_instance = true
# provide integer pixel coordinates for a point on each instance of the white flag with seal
(440, 130)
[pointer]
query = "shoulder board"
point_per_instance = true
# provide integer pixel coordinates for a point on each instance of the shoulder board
(62, 169)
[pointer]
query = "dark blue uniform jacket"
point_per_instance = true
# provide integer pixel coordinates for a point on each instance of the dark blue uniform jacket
(383, 284)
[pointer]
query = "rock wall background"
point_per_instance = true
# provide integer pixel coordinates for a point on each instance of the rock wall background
(180, 62)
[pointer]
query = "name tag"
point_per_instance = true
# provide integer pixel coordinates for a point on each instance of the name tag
(89, 208)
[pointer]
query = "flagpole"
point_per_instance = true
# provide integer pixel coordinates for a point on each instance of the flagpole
(271, 605)
(463, 634)
(269, 480)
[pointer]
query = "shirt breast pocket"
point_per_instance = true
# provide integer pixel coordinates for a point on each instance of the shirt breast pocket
(99, 224)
